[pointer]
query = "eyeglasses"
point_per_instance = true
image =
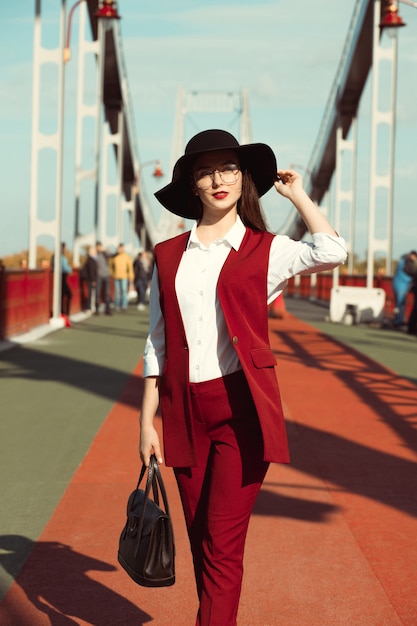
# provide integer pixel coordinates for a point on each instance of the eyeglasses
(228, 175)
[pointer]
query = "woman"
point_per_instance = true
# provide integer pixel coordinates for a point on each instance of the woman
(207, 356)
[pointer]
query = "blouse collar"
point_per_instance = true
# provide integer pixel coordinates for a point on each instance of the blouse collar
(233, 237)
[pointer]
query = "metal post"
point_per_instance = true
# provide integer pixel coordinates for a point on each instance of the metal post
(99, 125)
(79, 126)
(84, 111)
(391, 163)
(57, 292)
(338, 191)
(119, 184)
(53, 141)
(34, 170)
(343, 194)
(353, 177)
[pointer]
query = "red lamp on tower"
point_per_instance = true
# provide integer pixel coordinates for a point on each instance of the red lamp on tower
(390, 17)
(108, 10)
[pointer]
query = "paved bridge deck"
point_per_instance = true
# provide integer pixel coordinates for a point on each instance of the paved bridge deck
(333, 538)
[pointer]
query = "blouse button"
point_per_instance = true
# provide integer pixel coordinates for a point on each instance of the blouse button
(235, 340)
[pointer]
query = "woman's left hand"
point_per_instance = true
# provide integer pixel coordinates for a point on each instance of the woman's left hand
(290, 183)
(291, 186)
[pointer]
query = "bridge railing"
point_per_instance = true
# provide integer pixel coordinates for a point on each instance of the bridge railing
(26, 295)
(26, 299)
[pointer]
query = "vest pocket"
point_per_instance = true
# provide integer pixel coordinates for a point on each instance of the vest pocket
(263, 357)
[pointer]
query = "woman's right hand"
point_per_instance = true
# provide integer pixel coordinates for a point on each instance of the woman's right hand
(149, 444)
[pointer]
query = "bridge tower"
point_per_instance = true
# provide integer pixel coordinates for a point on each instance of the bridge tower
(47, 147)
(383, 114)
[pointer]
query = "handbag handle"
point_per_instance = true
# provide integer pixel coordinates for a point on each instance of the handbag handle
(154, 478)
(150, 479)
(158, 476)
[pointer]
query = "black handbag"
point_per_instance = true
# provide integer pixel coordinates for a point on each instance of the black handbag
(146, 545)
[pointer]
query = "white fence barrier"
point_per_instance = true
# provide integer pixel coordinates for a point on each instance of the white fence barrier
(352, 305)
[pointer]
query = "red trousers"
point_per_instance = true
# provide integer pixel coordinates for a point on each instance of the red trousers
(218, 495)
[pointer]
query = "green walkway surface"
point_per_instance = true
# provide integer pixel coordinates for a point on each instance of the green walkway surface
(55, 394)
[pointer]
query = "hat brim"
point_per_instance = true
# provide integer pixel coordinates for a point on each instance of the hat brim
(256, 158)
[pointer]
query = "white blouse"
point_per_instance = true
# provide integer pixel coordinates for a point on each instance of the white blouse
(211, 353)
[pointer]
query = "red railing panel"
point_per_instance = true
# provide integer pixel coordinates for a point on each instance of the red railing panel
(26, 299)
(26, 295)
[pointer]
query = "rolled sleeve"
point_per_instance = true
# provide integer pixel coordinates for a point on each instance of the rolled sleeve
(288, 258)
(154, 355)
(152, 364)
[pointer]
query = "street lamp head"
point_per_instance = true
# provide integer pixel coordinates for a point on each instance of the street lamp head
(158, 173)
(108, 10)
(390, 18)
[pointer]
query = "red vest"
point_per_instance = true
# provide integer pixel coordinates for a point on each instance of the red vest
(242, 292)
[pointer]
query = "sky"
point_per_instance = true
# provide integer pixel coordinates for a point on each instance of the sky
(285, 53)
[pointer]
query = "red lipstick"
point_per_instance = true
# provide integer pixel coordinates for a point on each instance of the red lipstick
(220, 195)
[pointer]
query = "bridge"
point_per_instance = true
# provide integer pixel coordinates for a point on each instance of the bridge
(115, 126)
(335, 528)
(99, 36)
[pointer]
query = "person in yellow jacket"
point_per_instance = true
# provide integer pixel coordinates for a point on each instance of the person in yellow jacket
(122, 271)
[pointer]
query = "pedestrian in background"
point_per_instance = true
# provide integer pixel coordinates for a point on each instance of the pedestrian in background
(66, 293)
(89, 274)
(401, 284)
(207, 356)
(142, 267)
(103, 279)
(123, 275)
(411, 269)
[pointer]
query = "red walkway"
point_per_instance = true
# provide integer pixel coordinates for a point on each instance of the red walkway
(333, 539)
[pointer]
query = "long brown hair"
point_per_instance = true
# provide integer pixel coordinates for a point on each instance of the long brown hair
(248, 205)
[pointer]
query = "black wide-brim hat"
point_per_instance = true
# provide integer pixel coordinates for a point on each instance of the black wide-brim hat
(256, 158)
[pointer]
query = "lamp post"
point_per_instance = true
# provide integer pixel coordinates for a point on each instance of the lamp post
(57, 278)
(157, 173)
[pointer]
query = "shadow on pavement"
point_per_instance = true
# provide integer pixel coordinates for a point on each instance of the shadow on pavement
(57, 584)
(270, 503)
(357, 468)
(28, 364)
